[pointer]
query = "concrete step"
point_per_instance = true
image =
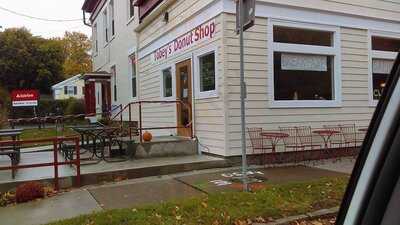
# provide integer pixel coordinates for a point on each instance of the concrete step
(162, 147)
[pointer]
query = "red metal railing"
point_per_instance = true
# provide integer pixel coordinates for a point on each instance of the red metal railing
(140, 124)
(56, 142)
(58, 119)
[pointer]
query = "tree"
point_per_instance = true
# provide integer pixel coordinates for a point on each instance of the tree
(4, 101)
(29, 62)
(76, 52)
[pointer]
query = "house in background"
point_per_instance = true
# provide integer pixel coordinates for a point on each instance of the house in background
(70, 88)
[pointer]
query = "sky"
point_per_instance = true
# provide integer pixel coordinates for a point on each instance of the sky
(47, 9)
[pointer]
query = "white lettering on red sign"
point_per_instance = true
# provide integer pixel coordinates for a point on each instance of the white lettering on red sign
(200, 33)
(24, 98)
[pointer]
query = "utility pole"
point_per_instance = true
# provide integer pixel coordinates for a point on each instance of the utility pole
(245, 16)
(242, 98)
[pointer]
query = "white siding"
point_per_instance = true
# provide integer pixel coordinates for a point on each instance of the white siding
(380, 9)
(355, 106)
(117, 50)
(208, 113)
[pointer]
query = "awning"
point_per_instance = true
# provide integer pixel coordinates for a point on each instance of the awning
(101, 75)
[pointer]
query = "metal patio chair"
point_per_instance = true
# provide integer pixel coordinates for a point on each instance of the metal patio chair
(349, 136)
(292, 143)
(306, 140)
(259, 144)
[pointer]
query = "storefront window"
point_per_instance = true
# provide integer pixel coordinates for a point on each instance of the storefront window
(301, 36)
(302, 71)
(167, 83)
(207, 72)
(384, 51)
(302, 77)
(385, 44)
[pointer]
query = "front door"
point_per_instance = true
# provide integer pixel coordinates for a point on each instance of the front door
(184, 93)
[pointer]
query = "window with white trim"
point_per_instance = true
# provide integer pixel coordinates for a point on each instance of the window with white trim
(95, 41)
(384, 51)
(304, 65)
(166, 86)
(114, 77)
(131, 9)
(70, 90)
(105, 26)
(112, 18)
(132, 62)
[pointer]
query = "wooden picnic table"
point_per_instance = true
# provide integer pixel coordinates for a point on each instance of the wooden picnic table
(11, 150)
(98, 134)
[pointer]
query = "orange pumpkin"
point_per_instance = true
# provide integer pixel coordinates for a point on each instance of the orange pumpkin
(147, 136)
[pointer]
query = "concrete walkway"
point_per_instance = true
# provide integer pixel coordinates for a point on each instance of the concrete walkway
(150, 190)
(63, 206)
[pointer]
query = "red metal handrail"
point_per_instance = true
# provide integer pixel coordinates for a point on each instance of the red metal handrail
(140, 128)
(56, 141)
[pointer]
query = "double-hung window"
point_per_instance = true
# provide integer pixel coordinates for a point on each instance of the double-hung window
(95, 41)
(131, 9)
(112, 18)
(206, 74)
(166, 83)
(105, 26)
(114, 77)
(70, 90)
(304, 64)
(383, 55)
(132, 62)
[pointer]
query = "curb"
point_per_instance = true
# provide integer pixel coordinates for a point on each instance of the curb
(283, 221)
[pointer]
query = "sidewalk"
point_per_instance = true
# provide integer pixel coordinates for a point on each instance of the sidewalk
(133, 193)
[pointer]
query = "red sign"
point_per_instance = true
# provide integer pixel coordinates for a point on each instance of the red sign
(201, 33)
(24, 98)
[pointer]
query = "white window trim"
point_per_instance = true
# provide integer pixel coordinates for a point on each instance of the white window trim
(111, 14)
(95, 39)
(105, 27)
(173, 75)
(375, 54)
(334, 51)
(131, 52)
(128, 13)
(197, 55)
(114, 83)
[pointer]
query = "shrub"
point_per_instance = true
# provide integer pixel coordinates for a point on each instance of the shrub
(75, 107)
(29, 191)
(4, 101)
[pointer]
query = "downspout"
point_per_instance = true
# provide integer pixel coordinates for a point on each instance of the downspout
(84, 19)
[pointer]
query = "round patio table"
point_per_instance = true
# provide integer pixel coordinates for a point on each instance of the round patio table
(275, 137)
(326, 135)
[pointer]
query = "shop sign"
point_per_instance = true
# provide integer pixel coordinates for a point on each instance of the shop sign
(201, 33)
(22, 98)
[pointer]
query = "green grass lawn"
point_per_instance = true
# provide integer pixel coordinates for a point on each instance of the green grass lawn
(43, 133)
(274, 201)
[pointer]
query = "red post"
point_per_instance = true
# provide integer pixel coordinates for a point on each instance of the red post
(78, 163)
(140, 122)
(55, 151)
(130, 121)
